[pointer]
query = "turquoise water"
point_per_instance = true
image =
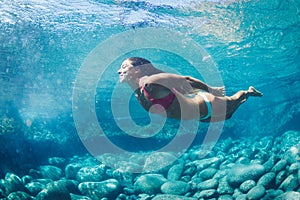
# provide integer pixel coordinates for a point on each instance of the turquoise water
(44, 43)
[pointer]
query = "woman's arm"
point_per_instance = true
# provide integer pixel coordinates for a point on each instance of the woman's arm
(195, 83)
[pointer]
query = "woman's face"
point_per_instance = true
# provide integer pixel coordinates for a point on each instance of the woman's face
(126, 72)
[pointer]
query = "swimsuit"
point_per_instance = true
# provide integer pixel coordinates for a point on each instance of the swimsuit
(166, 102)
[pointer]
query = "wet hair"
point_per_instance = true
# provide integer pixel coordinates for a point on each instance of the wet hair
(137, 61)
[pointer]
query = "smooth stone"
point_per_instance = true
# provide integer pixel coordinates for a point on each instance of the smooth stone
(270, 163)
(241, 173)
(34, 187)
(54, 191)
(267, 180)
(226, 144)
(72, 169)
(294, 168)
(204, 163)
(97, 190)
(26, 179)
(190, 169)
(224, 187)
(243, 160)
(256, 192)
(19, 196)
(279, 166)
(13, 183)
(205, 193)
(291, 195)
(57, 161)
(91, 174)
(280, 177)
(172, 197)
(241, 197)
(247, 185)
(125, 178)
(79, 197)
(290, 183)
(35, 174)
(51, 172)
(194, 182)
(175, 187)
(272, 194)
(175, 172)
(158, 161)
(149, 183)
(207, 173)
(225, 197)
(208, 184)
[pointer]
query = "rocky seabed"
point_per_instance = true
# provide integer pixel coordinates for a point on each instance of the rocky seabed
(249, 168)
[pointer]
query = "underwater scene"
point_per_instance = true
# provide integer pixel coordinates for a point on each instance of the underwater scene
(149, 99)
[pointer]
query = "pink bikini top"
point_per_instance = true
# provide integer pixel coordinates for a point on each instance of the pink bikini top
(165, 102)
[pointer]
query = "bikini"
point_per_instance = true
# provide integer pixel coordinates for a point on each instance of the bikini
(166, 102)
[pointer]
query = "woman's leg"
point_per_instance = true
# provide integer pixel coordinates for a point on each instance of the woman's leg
(239, 98)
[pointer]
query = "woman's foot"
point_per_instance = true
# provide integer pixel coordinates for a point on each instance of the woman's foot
(253, 92)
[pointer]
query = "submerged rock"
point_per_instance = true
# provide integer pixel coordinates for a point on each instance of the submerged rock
(51, 172)
(256, 193)
(158, 161)
(19, 196)
(13, 183)
(149, 183)
(241, 173)
(175, 187)
(97, 190)
(175, 172)
(247, 185)
(34, 187)
(91, 174)
(72, 169)
(172, 197)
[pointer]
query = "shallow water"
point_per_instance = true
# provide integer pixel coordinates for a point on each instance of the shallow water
(43, 45)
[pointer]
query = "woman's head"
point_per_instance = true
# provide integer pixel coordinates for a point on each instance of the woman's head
(134, 68)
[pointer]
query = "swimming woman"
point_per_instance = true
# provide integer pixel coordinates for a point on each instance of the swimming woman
(180, 97)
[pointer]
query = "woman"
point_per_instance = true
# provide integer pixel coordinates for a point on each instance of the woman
(180, 97)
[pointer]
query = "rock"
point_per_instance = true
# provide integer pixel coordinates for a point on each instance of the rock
(172, 197)
(13, 183)
(280, 177)
(291, 195)
(204, 163)
(267, 180)
(35, 174)
(280, 165)
(72, 169)
(190, 169)
(34, 187)
(149, 183)
(205, 194)
(256, 192)
(125, 178)
(224, 187)
(290, 183)
(54, 191)
(19, 196)
(57, 162)
(208, 184)
(51, 172)
(241, 173)
(158, 161)
(270, 163)
(175, 172)
(225, 197)
(243, 160)
(91, 174)
(247, 185)
(241, 197)
(79, 197)
(272, 194)
(294, 168)
(207, 173)
(97, 190)
(175, 187)
(26, 179)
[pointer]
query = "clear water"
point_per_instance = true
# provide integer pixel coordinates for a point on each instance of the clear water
(44, 43)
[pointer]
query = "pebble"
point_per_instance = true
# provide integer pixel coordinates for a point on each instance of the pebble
(54, 191)
(51, 172)
(256, 193)
(97, 190)
(208, 184)
(149, 183)
(91, 174)
(19, 196)
(13, 183)
(280, 165)
(205, 194)
(172, 197)
(292, 195)
(290, 183)
(280, 177)
(241, 173)
(34, 187)
(72, 169)
(247, 185)
(207, 173)
(267, 180)
(224, 187)
(124, 178)
(158, 161)
(175, 187)
(57, 162)
(175, 172)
